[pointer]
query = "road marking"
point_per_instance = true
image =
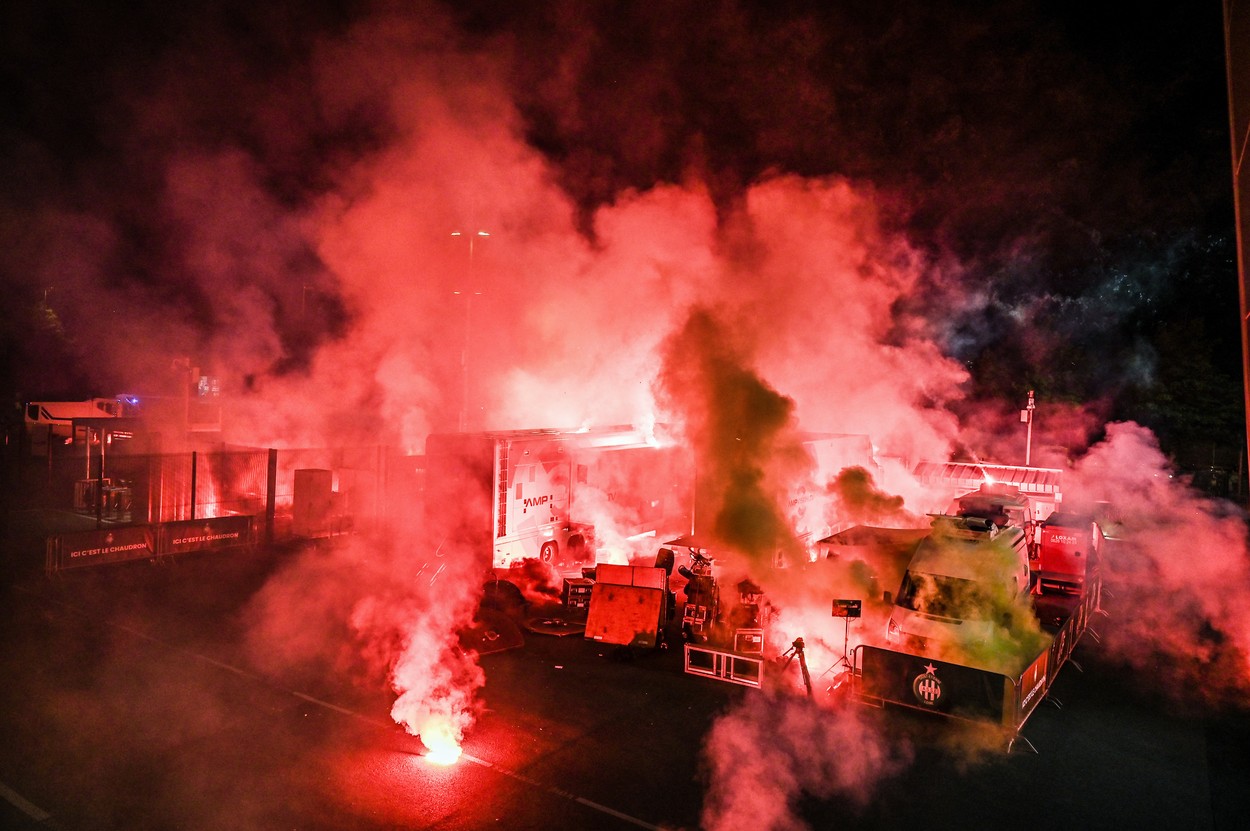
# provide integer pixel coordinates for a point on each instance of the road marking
(336, 708)
(554, 791)
(24, 805)
(605, 809)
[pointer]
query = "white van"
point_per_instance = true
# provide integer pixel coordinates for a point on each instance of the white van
(964, 577)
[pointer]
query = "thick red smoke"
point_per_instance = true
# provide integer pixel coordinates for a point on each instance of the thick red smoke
(557, 330)
(767, 753)
(796, 295)
(1179, 571)
(560, 331)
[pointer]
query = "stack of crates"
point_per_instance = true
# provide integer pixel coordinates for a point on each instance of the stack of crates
(749, 641)
(576, 594)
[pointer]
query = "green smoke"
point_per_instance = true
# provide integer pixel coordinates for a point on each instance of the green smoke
(743, 432)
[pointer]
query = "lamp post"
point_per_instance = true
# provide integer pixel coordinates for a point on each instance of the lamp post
(468, 293)
(1026, 416)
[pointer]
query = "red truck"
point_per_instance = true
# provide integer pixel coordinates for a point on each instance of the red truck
(1070, 547)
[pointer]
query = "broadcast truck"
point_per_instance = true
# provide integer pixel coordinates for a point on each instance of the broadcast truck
(962, 578)
(554, 499)
(50, 422)
(974, 634)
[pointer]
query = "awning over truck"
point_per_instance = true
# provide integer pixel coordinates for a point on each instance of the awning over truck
(1032, 481)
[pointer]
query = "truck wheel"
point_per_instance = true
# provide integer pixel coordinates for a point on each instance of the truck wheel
(577, 549)
(548, 552)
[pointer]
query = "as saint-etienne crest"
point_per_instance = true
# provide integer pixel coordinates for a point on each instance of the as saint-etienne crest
(926, 687)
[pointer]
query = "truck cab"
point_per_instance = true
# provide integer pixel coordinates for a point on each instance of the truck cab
(961, 580)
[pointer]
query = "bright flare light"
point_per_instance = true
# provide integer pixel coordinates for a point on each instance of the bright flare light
(440, 741)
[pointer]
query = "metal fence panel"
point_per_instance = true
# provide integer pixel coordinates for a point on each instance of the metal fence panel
(78, 486)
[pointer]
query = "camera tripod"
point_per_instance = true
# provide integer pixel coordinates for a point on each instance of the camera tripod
(796, 651)
(846, 640)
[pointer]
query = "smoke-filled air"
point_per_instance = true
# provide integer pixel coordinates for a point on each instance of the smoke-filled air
(377, 224)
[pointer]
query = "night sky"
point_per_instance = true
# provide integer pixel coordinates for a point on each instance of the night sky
(1059, 172)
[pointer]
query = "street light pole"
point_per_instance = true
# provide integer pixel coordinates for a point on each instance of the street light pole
(1026, 415)
(464, 350)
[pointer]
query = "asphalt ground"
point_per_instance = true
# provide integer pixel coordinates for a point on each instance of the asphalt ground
(128, 703)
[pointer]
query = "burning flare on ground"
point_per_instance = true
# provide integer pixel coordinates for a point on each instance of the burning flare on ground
(437, 685)
(412, 631)
(442, 741)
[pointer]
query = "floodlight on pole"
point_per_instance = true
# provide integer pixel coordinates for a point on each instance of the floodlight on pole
(1026, 416)
(468, 293)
